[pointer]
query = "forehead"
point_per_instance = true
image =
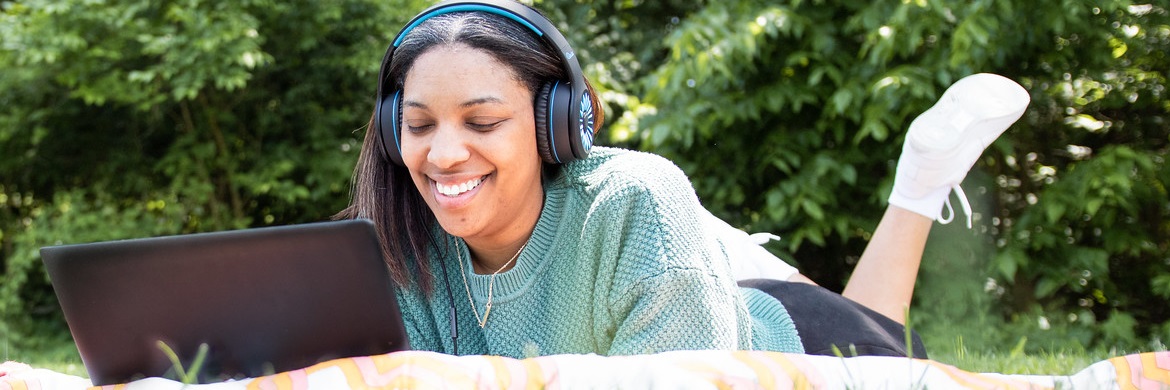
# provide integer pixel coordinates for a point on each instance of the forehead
(458, 62)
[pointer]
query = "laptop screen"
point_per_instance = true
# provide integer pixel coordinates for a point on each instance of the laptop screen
(263, 300)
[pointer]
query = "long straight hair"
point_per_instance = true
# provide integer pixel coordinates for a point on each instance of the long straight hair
(384, 192)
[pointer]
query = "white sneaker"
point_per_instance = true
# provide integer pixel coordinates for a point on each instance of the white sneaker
(944, 142)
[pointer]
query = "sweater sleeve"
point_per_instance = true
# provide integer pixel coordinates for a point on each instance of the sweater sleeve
(411, 305)
(679, 309)
(670, 291)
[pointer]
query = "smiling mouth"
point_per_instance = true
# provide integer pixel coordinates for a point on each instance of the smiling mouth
(458, 189)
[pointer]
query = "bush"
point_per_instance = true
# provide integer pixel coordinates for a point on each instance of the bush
(145, 118)
(789, 117)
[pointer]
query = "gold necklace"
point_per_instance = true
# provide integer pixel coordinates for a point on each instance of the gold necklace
(487, 309)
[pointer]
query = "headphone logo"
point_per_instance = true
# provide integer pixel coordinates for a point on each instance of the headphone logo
(586, 123)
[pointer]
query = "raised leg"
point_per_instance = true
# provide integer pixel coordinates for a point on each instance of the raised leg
(885, 275)
(941, 147)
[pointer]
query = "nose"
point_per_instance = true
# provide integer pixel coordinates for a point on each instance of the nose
(448, 147)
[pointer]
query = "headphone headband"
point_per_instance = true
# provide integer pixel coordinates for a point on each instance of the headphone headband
(570, 109)
(437, 10)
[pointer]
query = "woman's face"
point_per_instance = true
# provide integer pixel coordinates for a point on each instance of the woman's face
(469, 142)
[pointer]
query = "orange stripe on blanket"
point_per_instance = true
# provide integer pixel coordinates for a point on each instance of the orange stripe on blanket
(712, 374)
(396, 370)
(503, 373)
(1156, 366)
(536, 378)
(809, 373)
(412, 369)
(292, 380)
(509, 373)
(797, 378)
(16, 385)
(1124, 375)
(976, 381)
(764, 375)
(520, 373)
(1140, 371)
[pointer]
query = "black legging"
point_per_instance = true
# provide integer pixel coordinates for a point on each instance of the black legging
(824, 319)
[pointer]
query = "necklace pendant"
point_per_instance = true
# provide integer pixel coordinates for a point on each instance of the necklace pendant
(487, 310)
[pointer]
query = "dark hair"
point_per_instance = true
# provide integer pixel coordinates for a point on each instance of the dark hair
(384, 192)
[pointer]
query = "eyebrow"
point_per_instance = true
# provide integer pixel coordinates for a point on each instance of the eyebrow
(469, 103)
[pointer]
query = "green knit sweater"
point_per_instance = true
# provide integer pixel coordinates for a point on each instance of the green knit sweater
(618, 264)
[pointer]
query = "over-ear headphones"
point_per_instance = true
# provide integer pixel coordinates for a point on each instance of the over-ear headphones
(563, 108)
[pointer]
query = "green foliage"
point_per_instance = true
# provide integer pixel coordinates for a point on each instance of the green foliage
(146, 118)
(143, 118)
(618, 42)
(784, 82)
(189, 375)
(789, 117)
(1058, 361)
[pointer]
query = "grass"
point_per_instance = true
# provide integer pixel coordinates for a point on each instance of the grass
(64, 358)
(1064, 359)
(1037, 363)
(60, 357)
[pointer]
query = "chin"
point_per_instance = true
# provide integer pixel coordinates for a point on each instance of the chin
(455, 227)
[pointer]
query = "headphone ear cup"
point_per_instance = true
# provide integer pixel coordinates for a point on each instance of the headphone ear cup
(389, 127)
(554, 123)
(542, 114)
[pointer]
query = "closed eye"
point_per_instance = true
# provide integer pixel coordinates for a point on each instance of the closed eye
(484, 125)
(418, 128)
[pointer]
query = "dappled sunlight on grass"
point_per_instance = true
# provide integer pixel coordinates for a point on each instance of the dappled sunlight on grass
(1041, 363)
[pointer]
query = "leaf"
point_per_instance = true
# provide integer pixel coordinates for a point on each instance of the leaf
(1093, 259)
(1119, 329)
(186, 376)
(1092, 205)
(1119, 47)
(1018, 350)
(812, 209)
(1007, 264)
(1054, 211)
(1045, 287)
(841, 100)
(848, 174)
(1160, 285)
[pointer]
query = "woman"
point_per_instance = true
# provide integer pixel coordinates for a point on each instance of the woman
(501, 245)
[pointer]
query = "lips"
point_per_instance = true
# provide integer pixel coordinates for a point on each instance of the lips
(456, 189)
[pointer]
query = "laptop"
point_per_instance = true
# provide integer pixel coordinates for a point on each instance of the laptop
(263, 300)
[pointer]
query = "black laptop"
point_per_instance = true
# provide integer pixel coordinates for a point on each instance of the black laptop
(263, 300)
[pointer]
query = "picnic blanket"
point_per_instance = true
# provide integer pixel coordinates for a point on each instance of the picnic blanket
(679, 369)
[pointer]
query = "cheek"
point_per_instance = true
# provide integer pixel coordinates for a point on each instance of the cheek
(523, 140)
(526, 157)
(522, 151)
(413, 150)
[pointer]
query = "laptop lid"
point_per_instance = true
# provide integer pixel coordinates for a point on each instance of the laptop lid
(264, 300)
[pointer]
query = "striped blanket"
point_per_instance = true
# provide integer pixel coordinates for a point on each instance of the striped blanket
(681, 369)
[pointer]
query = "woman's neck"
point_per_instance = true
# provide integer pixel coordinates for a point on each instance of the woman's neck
(488, 260)
(501, 251)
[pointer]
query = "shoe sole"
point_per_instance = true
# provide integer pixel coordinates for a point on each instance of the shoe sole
(980, 107)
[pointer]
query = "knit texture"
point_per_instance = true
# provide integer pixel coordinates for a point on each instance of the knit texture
(618, 264)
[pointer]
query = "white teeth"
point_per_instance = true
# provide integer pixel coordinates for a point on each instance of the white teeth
(458, 189)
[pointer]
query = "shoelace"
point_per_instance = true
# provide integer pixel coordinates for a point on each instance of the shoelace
(966, 204)
(763, 238)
